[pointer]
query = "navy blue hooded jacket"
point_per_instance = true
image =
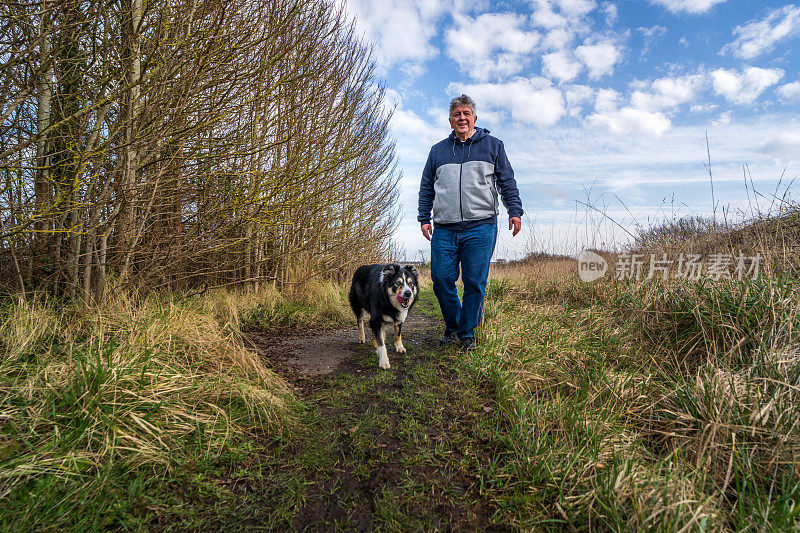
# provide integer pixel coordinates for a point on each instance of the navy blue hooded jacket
(460, 182)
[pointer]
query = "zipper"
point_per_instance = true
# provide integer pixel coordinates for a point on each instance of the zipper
(460, 173)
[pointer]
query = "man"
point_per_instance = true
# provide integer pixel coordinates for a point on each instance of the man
(460, 182)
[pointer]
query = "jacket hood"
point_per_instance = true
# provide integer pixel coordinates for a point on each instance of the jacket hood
(479, 134)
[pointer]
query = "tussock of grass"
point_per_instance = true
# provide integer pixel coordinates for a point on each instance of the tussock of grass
(310, 304)
(637, 406)
(25, 327)
(137, 388)
(697, 320)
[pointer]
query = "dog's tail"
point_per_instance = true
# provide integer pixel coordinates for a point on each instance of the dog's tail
(358, 287)
(355, 304)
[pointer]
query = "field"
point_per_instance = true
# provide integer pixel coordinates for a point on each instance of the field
(188, 186)
(603, 406)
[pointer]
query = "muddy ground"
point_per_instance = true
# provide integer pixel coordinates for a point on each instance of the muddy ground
(308, 356)
(402, 449)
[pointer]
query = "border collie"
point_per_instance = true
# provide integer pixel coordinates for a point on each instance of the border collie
(383, 294)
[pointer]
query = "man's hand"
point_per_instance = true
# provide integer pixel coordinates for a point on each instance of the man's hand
(514, 223)
(427, 230)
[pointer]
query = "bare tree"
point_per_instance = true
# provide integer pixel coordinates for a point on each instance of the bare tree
(213, 141)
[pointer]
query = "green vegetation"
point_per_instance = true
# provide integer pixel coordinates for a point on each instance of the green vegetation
(248, 147)
(408, 449)
(151, 414)
(610, 406)
(104, 412)
(647, 406)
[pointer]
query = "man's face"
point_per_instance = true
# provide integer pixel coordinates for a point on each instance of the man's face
(462, 120)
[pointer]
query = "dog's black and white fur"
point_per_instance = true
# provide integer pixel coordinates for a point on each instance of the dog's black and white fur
(383, 294)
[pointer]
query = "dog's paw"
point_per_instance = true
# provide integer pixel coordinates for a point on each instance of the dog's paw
(384, 364)
(400, 349)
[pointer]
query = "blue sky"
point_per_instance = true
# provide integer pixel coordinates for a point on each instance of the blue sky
(599, 102)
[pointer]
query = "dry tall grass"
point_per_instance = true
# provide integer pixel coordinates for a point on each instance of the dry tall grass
(132, 396)
(132, 382)
(774, 234)
(669, 406)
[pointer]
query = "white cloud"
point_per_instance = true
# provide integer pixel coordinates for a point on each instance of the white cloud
(600, 58)
(650, 35)
(787, 143)
(611, 12)
(560, 66)
(632, 121)
(392, 99)
(723, 119)
(412, 70)
(415, 135)
(552, 13)
(544, 15)
(576, 96)
(652, 31)
(607, 100)
(627, 120)
(744, 87)
(499, 49)
(703, 108)
(575, 8)
(528, 100)
(688, 6)
(418, 18)
(558, 38)
(562, 20)
(669, 93)
(760, 36)
(790, 92)
(407, 123)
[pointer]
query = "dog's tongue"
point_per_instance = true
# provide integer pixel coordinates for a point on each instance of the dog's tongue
(402, 300)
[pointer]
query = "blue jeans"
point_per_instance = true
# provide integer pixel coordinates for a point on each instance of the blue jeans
(473, 249)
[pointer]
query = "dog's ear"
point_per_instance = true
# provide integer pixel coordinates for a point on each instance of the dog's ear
(388, 271)
(411, 269)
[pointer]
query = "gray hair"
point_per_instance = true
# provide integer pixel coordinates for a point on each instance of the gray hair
(462, 101)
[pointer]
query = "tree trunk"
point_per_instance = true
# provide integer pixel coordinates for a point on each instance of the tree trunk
(126, 190)
(43, 187)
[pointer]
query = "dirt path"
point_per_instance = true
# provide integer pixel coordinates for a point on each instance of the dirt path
(310, 355)
(401, 449)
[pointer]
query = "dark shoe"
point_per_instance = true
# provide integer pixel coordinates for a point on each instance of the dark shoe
(468, 344)
(448, 337)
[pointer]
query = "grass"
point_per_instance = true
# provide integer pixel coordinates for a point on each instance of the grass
(314, 304)
(646, 406)
(402, 450)
(605, 406)
(104, 411)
